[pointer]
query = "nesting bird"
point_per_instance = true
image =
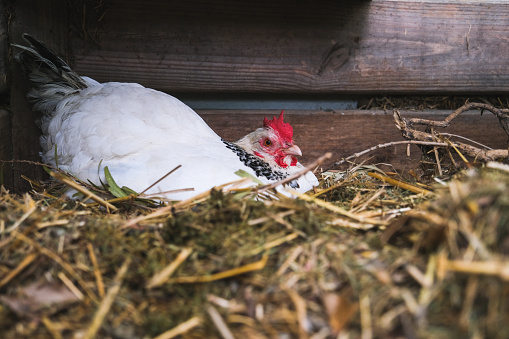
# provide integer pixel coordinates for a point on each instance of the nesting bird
(141, 134)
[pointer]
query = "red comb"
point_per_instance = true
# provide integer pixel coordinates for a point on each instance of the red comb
(284, 129)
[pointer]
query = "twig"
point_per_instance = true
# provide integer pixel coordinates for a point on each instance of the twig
(219, 322)
(20, 220)
(495, 268)
(369, 201)
(158, 194)
(222, 275)
(464, 138)
(437, 159)
(51, 328)
(400, 184)
(67, 282)
(24, 263)
(158, 181)
(408, 132)
(168, 209)
(105, 305)
(340, 211)
(97, 271)
(161, 277)
(502, 115)
(301, 310)
(388, 144)
(366, 320)
(83, 190)
(290, 260)
(180, 329)
(274, 243)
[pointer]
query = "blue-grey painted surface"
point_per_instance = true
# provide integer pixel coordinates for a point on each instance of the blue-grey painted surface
(257, 102)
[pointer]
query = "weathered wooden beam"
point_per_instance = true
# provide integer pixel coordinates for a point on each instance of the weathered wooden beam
(5, 119)
(342, 47)
(345, 133)
(5, 149)
(4, 48)
(46, 20)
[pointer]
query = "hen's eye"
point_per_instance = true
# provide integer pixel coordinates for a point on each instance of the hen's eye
(268, 142)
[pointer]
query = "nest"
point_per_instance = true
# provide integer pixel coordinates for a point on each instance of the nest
(368, 254)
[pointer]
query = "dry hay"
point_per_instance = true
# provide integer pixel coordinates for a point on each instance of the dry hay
(370, 254)
(231, 266)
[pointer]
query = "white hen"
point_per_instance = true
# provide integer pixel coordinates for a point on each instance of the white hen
(141, 134)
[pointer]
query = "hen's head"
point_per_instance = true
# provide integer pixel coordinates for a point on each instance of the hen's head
(273, 143)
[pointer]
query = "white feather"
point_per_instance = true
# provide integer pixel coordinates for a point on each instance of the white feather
(140, 134)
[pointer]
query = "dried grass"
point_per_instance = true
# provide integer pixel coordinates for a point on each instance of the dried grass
(358, 258)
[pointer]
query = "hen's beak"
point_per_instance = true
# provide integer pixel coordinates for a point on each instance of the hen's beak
(293, 150)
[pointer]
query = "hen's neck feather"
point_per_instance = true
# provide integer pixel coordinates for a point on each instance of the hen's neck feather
(260, 167)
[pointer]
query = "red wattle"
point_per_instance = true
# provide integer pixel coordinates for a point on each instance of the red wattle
(280, 160)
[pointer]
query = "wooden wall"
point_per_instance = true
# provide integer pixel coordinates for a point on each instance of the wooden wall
(5, 119)
(4, 48)
(343, 47)
(327, 47)
(48, 21)
(346, 132)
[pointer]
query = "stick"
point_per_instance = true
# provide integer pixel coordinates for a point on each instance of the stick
(105, 305)
(274, 243)
(20, 220)
(219, 322)
(339, 210)
(24, 263)
(255, 266)
(168, 209)
(97, 271)
(408, 132)
(400, 184)
(83, 190)
(388, 144)
(67, 282)
(366, 319)
(161, 277)
(180, 329)
(51, 328)
(158, 181)
(494, 268)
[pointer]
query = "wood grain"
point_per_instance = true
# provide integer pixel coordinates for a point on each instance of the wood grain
(347, 132)
(343, 47)
(5, 148)
(46, 20)
(4, 49)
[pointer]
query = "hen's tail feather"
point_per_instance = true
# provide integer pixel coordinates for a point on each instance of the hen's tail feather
(51, 77)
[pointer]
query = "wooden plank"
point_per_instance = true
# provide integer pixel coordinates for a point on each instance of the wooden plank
(342, 47)
(4, 48)
(47, 21)
(347, 132)
(5, 148)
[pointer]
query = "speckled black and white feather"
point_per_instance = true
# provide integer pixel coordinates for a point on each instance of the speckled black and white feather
(260, 167)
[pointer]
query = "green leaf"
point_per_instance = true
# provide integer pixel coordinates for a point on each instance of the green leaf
(244, 174)
(129, 191)
(113, 187)
(47, 169)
